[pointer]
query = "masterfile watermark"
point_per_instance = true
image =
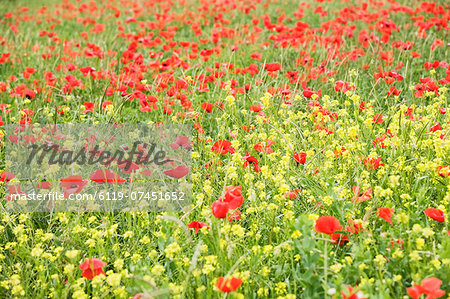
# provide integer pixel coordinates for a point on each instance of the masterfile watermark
(105, 167)
(94, 156)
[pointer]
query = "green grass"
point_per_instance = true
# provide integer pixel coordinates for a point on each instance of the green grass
(273, 248)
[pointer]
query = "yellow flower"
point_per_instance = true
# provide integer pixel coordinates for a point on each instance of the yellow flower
(72, 254)
(280, 287)
(114, 279)
(380, 260)
(336, 267)
(419, 243)
(427, 232)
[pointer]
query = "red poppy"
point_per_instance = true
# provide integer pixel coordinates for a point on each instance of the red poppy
(378, 118)
(182, 141)
(292, 194)
(44, 185)
(361, 197)
(264, 146)
(230, 200)
(373, 163)
(251, 160)
(72, 184)
(379, 141)
(233, 197)
(228, 285)
(197, 225)
(435, 127)
(92, 267)
(340, 151)
(354, 227)
(6, 176)
(350, 293)
(340, 239)
(88, 107)
(393, 91)
(272, 67)
(220, 209)
(343, 86)
(127, 166)
(435, 214)
(256, 55)
(443, 171)
(177, 172)
(255, 108)
(300, 158)
(327, 225)
(386, 214)
(429, 286)
(207, 107)
(102, 176)
(222, 147)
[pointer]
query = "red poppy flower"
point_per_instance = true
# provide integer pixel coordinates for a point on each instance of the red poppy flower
(393, 91)
(435, 127)
(300, 158)
(197, 225)
(127, 166)
(435, 214)
(44, 185)
(207, 107)
(255, 108)
(177, 172)
(343, 86)
(222, 147)
(220, 209)
(429, 286)
(378, 118)
(102, 176)
(92, 267)
(292, 194)
(373, 163)
(6, 176)
(228, 285)
(256, 55)
(386, 214)
(72, 184)
(88, 107)
(340, 239)
(350, 293)
(340, 151)
(272, 67)
(233, 197)
(308, 93)
(443, 171)
(361, 197)
(182, 141)
(354, 227)
(327, 225)
(251, 160)
(264, 146)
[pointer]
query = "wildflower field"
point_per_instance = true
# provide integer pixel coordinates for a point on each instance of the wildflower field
(320, 147)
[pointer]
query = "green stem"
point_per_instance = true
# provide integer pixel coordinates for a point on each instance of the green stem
(325, 256)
